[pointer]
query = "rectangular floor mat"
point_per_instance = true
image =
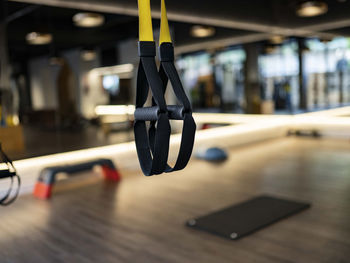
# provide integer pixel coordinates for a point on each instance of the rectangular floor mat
(245, 218)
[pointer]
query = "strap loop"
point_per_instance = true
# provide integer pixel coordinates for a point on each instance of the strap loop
(152, 161)
(167, 71)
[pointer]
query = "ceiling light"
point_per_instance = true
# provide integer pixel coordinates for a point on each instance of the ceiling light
(312, 8)
(36, 38)
(88, 19)
(277, 39)
(202, 31)
(88, 55)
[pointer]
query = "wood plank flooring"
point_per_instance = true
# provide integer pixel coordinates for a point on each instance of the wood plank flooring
(142, 219)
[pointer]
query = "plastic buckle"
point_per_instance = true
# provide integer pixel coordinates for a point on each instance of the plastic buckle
(166, 52)
(147, 48)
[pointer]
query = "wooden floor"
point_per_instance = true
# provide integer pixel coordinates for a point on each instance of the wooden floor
(142, 219)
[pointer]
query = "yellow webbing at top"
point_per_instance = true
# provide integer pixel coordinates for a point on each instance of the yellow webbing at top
(164, 26)
(145, 22)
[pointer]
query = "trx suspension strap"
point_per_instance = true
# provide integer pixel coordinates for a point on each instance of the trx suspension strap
(153, 147)
(151, 162)
(11, 173)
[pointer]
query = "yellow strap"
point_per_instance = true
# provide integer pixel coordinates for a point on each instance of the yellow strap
(164, 26)
(145, 21)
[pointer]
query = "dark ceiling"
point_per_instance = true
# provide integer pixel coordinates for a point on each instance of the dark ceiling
(232, 18)
(66, 35)
(267, 12)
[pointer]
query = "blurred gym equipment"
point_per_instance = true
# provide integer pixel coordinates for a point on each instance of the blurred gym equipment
(11, 173)
(213, 154)
(247, 217)
(47, 177)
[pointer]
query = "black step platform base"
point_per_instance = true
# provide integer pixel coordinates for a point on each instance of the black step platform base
(245, 218)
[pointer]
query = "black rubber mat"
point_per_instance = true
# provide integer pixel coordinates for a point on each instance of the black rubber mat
(245, 218)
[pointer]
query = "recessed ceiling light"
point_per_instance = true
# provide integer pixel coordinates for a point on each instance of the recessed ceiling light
(37, 38)
(277, 39)
(88, 19)
(202, 31)
(312, 8)
(88, 55)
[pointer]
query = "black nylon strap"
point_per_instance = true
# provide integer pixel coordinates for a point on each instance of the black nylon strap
(9, 173)
(6, 173)
(167, 71)
(151, 161)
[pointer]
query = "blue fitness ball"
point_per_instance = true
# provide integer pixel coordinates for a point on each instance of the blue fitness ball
(213, 154)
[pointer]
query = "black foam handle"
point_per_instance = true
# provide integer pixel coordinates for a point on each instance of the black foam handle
(176, 112)
(147, 113)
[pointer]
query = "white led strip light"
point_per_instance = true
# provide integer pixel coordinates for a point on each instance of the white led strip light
(251, 128)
